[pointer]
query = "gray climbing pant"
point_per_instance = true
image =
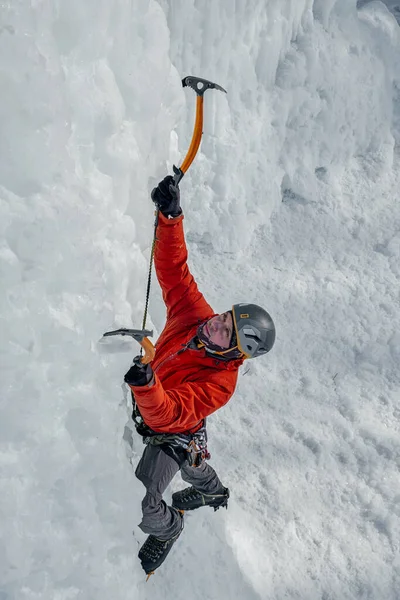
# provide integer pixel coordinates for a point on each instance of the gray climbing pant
(155, 470)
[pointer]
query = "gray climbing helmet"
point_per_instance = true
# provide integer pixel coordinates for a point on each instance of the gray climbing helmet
(255, 330)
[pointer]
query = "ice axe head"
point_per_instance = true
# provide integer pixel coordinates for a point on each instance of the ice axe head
(140, 335)
(200, 86)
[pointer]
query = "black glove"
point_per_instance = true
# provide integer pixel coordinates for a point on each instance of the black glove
(166, 196)
(139, 374)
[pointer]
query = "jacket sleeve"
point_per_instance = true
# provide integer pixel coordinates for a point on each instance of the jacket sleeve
(182, 407)
(179, 289)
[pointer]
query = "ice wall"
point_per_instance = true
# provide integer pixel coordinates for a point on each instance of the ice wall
(92, 113)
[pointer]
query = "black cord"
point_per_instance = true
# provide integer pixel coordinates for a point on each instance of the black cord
(153, 245)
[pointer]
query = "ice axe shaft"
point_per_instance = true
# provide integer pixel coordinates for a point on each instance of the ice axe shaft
(200, 86)
(140, 335)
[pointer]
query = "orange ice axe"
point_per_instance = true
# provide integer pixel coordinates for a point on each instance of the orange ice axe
(200, 86)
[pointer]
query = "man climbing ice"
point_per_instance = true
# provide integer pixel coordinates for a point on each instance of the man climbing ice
(193, 374)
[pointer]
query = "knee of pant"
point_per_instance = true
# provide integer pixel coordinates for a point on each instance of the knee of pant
(152, 497)
(152, 504)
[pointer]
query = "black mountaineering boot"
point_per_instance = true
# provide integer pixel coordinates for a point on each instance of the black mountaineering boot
(190, 498)
(154, 551)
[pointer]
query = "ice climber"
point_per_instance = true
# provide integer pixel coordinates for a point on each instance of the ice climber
(193, 374)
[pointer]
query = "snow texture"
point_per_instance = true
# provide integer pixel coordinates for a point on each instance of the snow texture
(291, 203)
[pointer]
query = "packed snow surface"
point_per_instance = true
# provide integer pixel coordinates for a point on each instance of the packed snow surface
(291, 203)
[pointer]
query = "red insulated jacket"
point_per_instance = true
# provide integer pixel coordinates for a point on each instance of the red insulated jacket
(188, 384)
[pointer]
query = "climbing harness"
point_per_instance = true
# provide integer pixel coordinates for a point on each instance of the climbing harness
(194, 445)
(200, 86)
(184, 447)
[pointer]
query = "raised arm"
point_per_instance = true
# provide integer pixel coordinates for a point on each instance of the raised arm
(179, 289)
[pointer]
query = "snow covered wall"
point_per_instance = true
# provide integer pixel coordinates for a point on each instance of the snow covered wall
(292, 203)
